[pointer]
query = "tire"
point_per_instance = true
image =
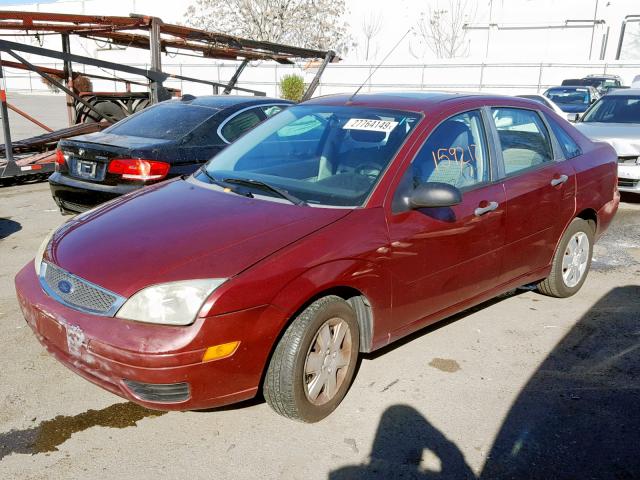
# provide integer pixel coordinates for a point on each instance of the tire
(569, 271)
(298, 384)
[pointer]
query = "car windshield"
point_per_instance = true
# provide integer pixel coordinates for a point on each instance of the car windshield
(168, 120)
(323, 155)
(572, 96)
(615, 109)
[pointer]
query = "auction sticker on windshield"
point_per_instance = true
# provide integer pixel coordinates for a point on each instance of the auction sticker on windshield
(371, 125)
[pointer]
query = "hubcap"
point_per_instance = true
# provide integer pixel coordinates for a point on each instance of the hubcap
(576, 257)
(327, 361)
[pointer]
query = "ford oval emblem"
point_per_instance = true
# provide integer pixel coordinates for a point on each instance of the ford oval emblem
(65, 287)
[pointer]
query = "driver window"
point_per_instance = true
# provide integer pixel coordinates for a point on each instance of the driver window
(455, 153)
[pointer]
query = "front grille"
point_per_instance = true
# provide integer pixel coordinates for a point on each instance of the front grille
(78, 293)
(628, 160)
(628, 183)
(159, 392)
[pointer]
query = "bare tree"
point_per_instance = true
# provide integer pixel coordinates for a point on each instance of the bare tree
(303, 23)
(371, 27)
(441, 29)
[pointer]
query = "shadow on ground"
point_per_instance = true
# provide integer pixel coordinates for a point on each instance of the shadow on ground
(577, 417)
(8, 227)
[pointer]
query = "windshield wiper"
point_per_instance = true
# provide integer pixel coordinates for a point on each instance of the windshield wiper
(213, 179)
(265, 186)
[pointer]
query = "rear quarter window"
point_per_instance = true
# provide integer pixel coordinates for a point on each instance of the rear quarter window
(570, 148)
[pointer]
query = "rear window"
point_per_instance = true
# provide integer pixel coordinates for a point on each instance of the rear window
(169, 120)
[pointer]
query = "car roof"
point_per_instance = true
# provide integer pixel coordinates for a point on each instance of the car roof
(628, 92)
(416, 101)
(220, 102)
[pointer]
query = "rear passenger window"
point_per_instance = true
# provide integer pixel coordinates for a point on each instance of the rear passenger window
(524, 139)
(240, 124)
(569, 147)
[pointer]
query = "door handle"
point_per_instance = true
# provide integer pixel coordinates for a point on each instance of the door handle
(557, 181)
(489, 208)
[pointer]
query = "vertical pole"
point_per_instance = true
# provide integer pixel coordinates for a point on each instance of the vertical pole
(156, 63)
(481, 76)
(593, 28)
(6, 130)
(539, 78)
(68, 79)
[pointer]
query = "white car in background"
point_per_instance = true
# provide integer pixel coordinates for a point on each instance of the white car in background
(615, 119)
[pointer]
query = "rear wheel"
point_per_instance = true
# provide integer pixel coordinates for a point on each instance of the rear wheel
(314, 362)
(571, 262)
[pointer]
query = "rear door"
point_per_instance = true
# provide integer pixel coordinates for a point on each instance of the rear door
(539, 185)
(441, 257)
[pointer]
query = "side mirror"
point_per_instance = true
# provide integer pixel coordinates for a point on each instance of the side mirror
(573, 117)
(435, 194)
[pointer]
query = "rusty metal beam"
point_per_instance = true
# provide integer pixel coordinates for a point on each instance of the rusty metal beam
(28, 117)
(58, 84)
(60, 73)
(316, 79)
(6, 45)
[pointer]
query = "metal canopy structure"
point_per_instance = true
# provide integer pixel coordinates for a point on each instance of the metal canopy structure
(137, 31)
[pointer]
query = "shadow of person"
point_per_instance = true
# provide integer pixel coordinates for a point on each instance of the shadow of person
(407, 446)
(579, 414)
(8, 227)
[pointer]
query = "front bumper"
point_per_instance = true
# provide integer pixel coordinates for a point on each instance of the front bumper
(117, 354)
(73, 195)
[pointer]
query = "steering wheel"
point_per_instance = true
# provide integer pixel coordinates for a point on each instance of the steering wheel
(371, 170)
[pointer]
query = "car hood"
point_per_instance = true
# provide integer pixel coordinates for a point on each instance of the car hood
(623, 137)
(125, 141)
(178, 230)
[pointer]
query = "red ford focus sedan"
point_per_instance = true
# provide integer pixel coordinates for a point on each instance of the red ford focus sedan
(332, 229)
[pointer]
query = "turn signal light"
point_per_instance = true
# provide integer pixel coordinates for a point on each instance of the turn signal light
(138, 169)
(218, 352)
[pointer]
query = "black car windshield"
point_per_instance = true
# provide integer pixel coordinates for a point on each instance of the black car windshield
(323, 155)
(170, 120)
(572, 96)
(615, 109)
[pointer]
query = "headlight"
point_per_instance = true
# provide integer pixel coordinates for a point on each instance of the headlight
(175, 303)
(40, 253)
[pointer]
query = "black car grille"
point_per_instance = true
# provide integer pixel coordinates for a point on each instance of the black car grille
(159, 392)
(628, 183)
(78, 293)
(628, 160)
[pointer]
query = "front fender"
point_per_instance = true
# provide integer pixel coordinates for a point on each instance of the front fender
(365, 277)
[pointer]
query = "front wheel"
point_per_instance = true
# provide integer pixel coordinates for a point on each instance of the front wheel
(571, 261)
(313, 364)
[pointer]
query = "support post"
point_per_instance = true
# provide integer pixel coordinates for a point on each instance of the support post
(68, 78)
(316, 80)
(6, 130)
(234, 79)
(155, 48)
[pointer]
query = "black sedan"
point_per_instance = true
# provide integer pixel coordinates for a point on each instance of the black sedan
(166, 140)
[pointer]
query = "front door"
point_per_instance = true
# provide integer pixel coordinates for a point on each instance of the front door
(441, 257)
